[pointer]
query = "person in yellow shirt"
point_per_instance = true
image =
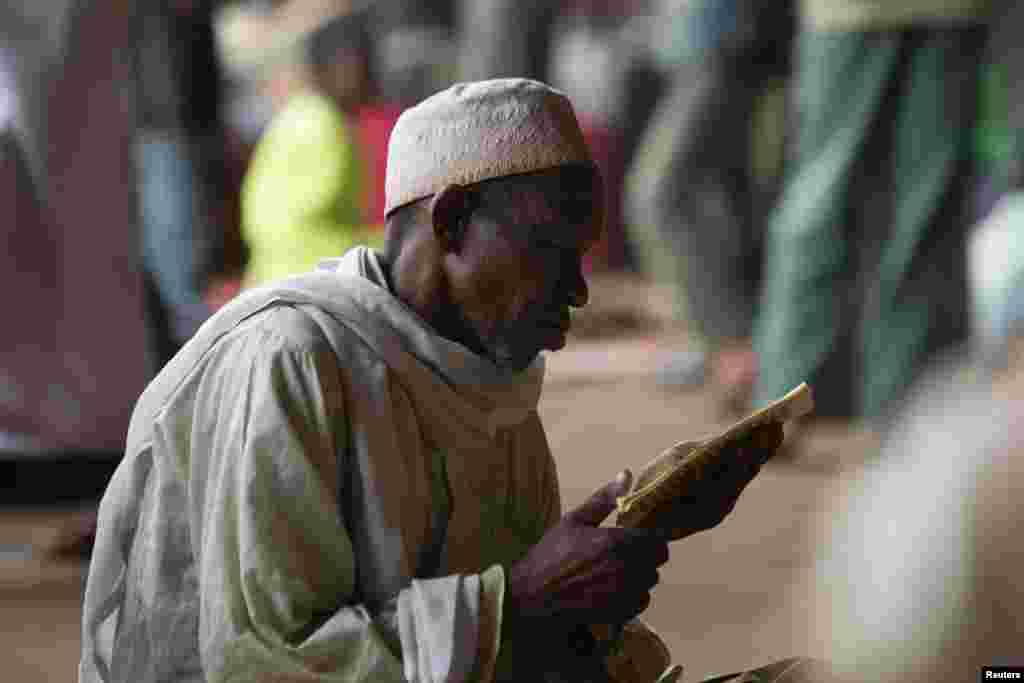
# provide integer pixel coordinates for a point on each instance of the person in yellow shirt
(302, 197)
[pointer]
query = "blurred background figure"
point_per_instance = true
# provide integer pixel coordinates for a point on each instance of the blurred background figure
(922, 576)
(709, 174)
(179, 157)
(505, 38)
(416, 48)
(303, 197)
(600, 56)
(866, 254)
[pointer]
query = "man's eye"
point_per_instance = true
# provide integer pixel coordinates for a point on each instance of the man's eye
(559, 253)
(556, 247)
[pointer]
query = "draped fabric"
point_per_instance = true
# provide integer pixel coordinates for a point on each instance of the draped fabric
(317, 488)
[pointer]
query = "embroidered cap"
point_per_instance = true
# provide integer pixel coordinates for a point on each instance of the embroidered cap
(475, 131)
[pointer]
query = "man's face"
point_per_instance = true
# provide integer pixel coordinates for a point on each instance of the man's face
(345, 78)
(520, 270)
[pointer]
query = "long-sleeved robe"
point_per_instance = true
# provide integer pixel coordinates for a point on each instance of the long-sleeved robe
(318, 488)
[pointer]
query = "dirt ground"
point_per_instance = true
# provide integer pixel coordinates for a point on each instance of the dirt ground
(731, 598)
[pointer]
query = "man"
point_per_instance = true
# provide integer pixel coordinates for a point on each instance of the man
(303, 193)
(865, 275)
(343, 476)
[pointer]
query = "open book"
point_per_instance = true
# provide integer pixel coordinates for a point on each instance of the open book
(677, 472)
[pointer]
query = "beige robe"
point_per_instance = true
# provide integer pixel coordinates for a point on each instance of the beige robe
(318, 488)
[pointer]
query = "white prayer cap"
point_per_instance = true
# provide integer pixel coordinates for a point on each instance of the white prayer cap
(475, 131)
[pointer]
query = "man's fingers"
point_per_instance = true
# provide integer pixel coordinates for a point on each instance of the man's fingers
(653, 543)
(756, 448)
(640, 545)
(767, 438)
(601, 503)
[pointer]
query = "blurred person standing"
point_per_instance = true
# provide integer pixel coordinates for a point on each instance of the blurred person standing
(710, 171)
(505, 38)
(866, 253)
(303, 193)
(598, 58)
(416, 49)
(179, 153)
(415, 54)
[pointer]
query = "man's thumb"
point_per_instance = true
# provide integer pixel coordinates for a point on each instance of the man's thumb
(601, 503)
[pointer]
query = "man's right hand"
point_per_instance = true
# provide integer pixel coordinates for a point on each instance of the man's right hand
(582, 573)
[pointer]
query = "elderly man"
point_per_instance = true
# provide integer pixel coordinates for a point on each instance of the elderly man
(343, 476)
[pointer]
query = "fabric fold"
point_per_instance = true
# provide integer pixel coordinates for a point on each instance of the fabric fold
(438, 621)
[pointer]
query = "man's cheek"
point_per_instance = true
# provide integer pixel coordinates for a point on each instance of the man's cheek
(496, 288)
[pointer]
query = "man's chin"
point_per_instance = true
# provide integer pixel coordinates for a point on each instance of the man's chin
(515, 362)
(518, 365)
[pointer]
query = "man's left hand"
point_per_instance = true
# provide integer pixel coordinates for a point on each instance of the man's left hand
(714, 497)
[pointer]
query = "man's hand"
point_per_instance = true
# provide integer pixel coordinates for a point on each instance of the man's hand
(581, 573)
(714, 496)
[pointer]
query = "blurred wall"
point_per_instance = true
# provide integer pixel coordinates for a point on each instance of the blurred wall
(73, 345)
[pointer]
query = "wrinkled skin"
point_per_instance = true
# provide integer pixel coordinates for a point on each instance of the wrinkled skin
(501, 265)
(519, 274)
(617, 567)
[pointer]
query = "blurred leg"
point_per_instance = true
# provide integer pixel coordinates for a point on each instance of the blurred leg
(809, 302)
(704, 205)
(916, 301)
(171, 239)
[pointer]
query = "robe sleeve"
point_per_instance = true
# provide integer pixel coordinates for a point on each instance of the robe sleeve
(277, 567)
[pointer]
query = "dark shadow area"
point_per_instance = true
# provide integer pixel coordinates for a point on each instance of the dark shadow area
(55, 478)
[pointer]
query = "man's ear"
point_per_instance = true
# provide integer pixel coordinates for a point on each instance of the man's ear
(449, 212)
